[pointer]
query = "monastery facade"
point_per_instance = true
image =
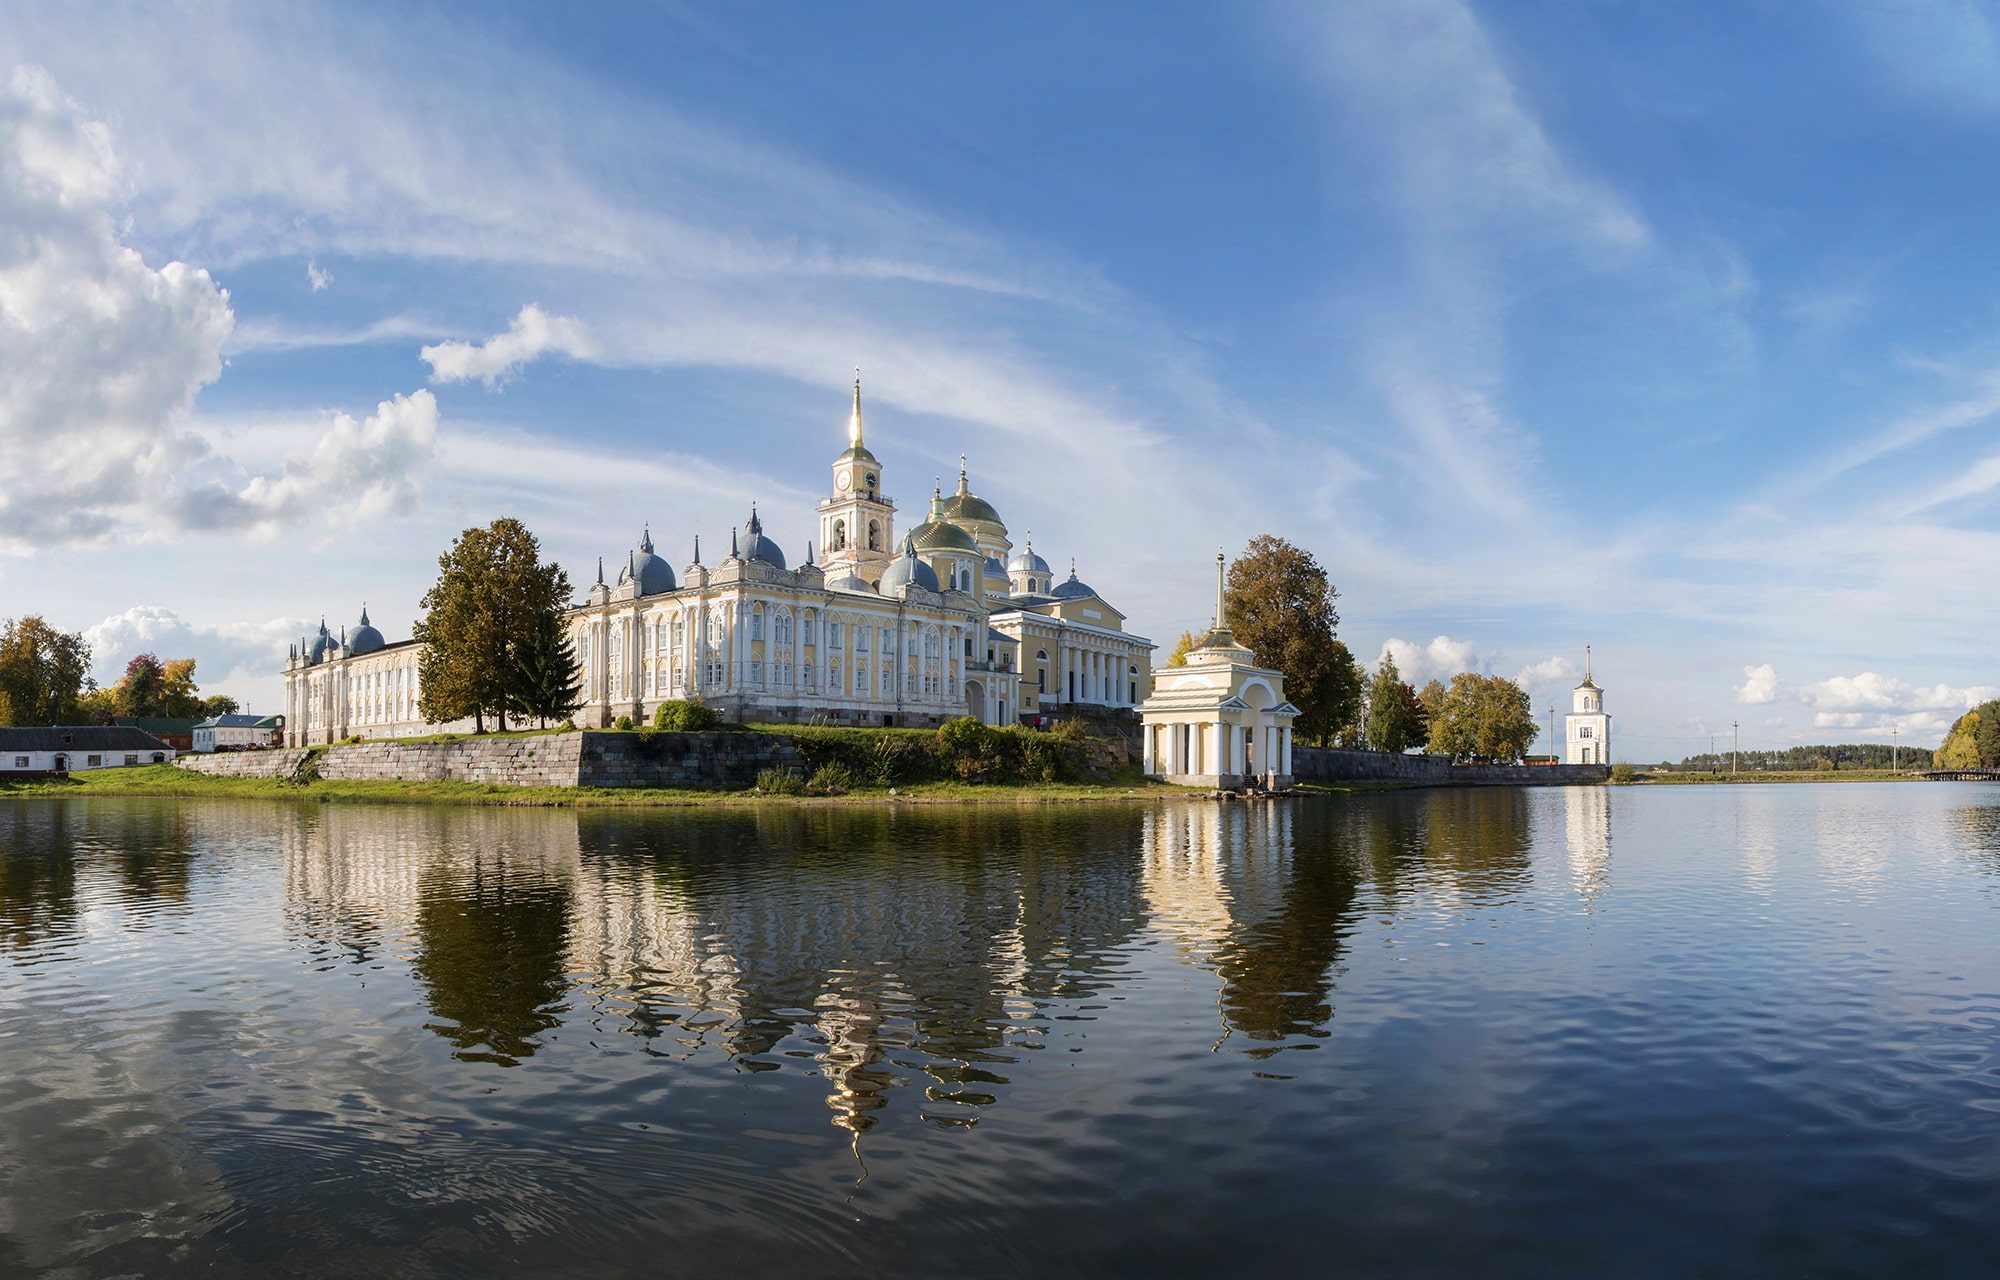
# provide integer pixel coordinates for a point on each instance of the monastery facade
(944, 620)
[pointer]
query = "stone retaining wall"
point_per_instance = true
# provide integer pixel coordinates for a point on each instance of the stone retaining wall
(1329, 764)
(544, 760)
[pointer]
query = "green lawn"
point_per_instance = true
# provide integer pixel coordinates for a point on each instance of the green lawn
(1774, 775)
(167, 780)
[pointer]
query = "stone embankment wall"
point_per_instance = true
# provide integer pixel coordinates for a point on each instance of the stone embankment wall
(545, 760)
(1328, 764)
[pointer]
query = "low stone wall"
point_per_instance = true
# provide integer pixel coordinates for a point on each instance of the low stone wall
(682, 759)
(1329, 764)
(545, 760)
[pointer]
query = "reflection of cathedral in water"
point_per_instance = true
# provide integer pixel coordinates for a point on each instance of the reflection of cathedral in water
(913, 954)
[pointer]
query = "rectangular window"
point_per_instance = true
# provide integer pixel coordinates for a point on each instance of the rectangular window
(756, 626)
(1583, 731)
(20, 762)
(131, 759)
(807, 638)
(93, 759)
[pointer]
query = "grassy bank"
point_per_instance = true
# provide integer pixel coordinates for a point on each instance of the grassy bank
(166, 780)
(1772, 775)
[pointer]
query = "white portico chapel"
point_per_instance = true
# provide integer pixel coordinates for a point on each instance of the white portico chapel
(1588, 729)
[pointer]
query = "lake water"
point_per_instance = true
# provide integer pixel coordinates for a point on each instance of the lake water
(1745, 1031)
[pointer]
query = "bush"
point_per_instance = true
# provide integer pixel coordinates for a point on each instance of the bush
(623, 724)
(831, 779)
(781, 782)
(567, 726)
(685, 715)
(1623, 773)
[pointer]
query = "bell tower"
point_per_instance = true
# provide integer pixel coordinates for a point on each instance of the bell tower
(857, 524)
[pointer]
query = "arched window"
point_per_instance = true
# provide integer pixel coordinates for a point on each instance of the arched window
(782, 628)
(840, 535)
(1041, 655)
(757, 623)
(874, 535)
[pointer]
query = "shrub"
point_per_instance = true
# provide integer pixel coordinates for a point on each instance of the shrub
(623, 724)
(685, 715)
(781, 782)
(831, 779)
(1623, 773)
(567, 726)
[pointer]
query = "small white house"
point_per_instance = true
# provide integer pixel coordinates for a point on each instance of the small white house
(238, 732)
(78, 749)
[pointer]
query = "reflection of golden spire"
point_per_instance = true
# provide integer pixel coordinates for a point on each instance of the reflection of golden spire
(854, 423)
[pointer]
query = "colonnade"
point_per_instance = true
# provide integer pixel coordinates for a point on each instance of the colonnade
(1217, 748)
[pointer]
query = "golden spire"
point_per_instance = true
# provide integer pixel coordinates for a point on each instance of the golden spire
(1586, 662)
(854, 423)
(961, 474)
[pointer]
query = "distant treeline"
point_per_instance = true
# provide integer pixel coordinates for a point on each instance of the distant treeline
(1852, 755)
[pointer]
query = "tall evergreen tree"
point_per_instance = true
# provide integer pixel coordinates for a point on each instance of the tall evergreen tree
(547, 682)
(1280, 604)
(1396, 720)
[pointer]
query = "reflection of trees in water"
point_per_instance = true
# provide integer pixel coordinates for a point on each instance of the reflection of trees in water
(1477, 841)
(484, 899)
(909, 945)
(37, 873)
(1978, 831)
(1264, 896)
(141, 850)
(492, 937)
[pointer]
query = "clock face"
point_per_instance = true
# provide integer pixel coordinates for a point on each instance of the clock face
(871, 479)
(843, 482)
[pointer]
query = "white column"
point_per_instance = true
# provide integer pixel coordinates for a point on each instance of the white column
(1285, 750)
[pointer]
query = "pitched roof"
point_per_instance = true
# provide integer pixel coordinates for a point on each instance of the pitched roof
(234, 720)
(158, 724)
(81, 737)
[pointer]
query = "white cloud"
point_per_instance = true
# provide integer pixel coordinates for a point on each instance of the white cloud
(100, 354)
(1870, 692)
(1760, 687)
(316, 276)
(244, 651)
(534, 333)
(364, 469)
(1441, 659)
(1552, 673)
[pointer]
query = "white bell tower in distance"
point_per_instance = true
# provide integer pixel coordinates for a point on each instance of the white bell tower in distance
(1587, 730)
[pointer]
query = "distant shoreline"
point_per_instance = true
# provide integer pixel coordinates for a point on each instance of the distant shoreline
(1774, 775)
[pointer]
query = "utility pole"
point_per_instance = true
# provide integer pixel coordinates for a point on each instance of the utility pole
(1893, 744)
(1734, 739)
(1712, 759)
(1552, 735)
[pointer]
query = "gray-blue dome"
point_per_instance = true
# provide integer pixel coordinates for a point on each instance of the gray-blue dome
(852, 585)
(1072, 590)
(653, 574)
(1028, 561)
(365, 638)
(322, 644)
(755, 546)
(907, 570)
(994, 569)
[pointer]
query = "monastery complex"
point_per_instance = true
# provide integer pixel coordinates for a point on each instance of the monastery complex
(889, 627)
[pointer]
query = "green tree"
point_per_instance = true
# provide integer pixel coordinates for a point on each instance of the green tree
(1279, 603)
(219, 704)
(1483, 717)
(547, 685)
(1986, 737)
(492, 594)
(1432, 700)
(179, 697)
(1396, 720)
(44, 672)
(1178, 658)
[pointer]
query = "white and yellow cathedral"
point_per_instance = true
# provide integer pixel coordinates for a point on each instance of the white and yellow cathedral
(940, 621)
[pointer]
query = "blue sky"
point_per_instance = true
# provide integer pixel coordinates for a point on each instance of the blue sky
(1666, 328)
